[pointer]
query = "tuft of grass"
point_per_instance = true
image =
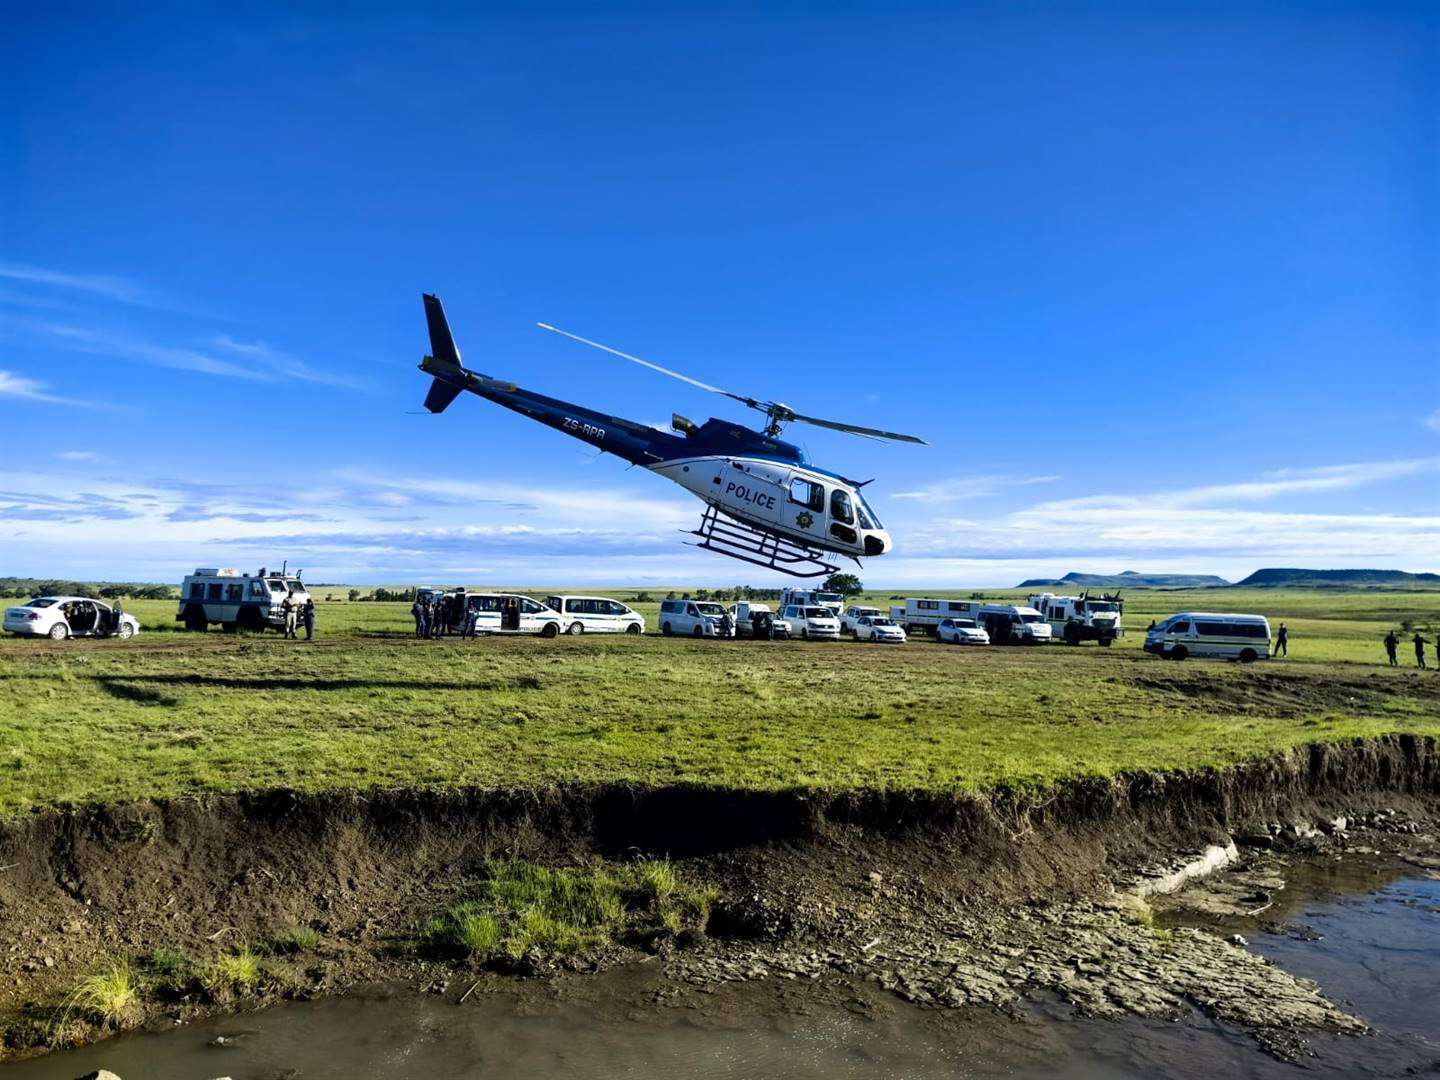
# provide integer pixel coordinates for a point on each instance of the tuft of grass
(110, 997)
(464, 931)
(239, 970)
(521, 910)
(657, 880)
(299, 940)
(165, 964)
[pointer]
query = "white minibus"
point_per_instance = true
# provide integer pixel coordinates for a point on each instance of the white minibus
(1207, 634)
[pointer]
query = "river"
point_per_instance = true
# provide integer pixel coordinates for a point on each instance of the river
(1371, 939)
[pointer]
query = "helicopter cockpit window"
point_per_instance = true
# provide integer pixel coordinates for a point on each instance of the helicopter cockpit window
(868, 518)
(840, 507)
(807, 494)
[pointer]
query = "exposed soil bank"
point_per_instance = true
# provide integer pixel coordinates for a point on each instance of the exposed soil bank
(914, 889)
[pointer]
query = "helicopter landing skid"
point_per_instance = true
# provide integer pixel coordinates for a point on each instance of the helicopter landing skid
(728, 536)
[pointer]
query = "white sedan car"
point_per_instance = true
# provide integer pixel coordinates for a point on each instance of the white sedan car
(878, 628)
(961, 632)
(61, 617)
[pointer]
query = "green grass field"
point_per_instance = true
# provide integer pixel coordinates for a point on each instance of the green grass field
(174, 713)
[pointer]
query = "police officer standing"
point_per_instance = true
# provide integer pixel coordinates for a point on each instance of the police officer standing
(309, 616)
(1420, 644)
(424, 617)
(289, 608)
(1282, 641)
(1391, 644)
(417, 609)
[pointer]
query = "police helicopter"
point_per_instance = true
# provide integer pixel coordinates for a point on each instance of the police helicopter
(765, 503)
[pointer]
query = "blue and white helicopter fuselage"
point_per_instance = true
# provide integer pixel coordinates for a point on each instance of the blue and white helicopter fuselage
(765, 503)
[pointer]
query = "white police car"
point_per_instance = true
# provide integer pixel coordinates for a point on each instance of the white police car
(61, 617)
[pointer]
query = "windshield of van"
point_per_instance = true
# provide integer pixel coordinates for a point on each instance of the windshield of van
(1097, 605)
(828, 598)
(710, 609)
(276, 586)
(1029, 616)
(40, 601)
(818, 613)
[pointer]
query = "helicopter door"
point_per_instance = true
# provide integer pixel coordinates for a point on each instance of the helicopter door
(753, 491)
(805, 508)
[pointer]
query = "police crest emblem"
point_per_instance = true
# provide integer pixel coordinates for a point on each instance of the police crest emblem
(804, 519)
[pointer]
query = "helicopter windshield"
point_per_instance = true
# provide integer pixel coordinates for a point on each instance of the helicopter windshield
(868, 518)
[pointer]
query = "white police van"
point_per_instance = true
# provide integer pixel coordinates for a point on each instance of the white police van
(596, 615)
(1245, 638)
(697, 618)
(511, 613)
(237, 601)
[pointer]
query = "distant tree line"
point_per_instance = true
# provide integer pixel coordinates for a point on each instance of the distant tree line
(19, 588)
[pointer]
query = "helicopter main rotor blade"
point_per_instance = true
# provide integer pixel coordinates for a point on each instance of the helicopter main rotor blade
(653, 367)
(854, 429)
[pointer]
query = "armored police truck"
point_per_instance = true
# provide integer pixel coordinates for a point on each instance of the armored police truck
(236, 600)
(1081, 618)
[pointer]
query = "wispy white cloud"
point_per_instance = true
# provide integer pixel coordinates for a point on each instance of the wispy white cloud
(77, 455)
(284, 363)
(17, 386)
(226, 357)
(958, 488)
(1433, 421)
(1269, 485)
(106, 285)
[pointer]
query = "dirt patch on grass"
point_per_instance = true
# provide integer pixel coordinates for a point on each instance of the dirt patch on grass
(330, 891)
(1282, 694)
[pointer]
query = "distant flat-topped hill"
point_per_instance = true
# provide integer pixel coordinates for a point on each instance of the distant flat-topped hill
(1130, 579)
(1295, 577)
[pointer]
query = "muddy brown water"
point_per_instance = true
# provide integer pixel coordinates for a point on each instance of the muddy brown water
(1370, 935)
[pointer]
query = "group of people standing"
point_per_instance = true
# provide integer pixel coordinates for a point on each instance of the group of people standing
(1392, 643)
(439, 616)
(299, 614)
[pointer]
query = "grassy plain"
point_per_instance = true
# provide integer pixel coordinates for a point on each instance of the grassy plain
(368, 705)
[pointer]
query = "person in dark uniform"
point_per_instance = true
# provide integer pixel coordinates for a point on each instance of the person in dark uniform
(1420, 644)
(1391, 644)
(417, 609)
(425, 617)
(1282, 641)
(309, 616)
(727, 625)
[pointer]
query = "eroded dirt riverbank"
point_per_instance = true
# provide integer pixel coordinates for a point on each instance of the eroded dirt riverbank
(948, 903)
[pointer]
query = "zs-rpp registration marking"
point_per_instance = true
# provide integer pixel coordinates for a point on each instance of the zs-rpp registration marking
(590, 431)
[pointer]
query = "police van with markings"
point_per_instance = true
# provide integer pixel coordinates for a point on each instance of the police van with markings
(237, 601)
(596, 615)
(1245, 638)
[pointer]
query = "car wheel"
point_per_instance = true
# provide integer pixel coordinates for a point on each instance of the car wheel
(551, 630)
(1248, 656)
(59, 632)
(633, 628)
(805, 635)
(697, 632)
(665, 629)
(575, 629)
(126, 631)
(1179, 652)
(1106, 642)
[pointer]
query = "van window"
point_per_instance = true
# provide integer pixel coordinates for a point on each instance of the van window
(554, 602)
(197, 590)
(840, 507)
(807, 494)
(530, 606)
(928, 605)
(1180, 628)
(212, 591)
(234, 592)
(257, 590)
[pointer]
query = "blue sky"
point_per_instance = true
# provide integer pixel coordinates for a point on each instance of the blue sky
(1158, 283)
